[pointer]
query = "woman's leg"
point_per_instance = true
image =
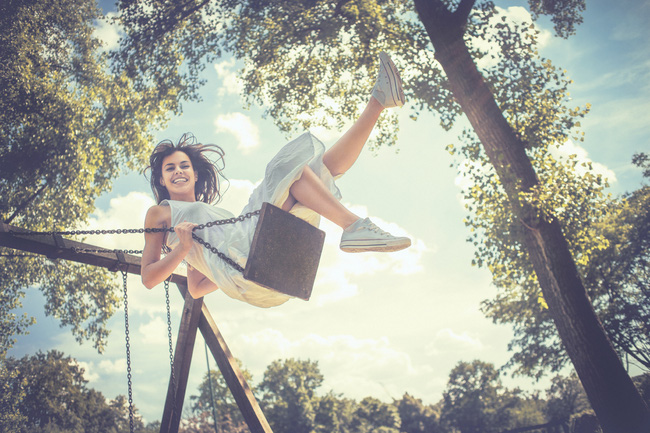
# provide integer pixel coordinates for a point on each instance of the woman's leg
(340, 157)
(387, 93)
(310, 191)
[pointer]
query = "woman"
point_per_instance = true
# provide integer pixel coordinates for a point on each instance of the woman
(299, 179)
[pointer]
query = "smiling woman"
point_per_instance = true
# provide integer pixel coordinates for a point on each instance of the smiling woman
(299, 179)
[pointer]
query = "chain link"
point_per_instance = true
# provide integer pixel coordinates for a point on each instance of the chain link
(171, 350)
(207, 245)
(128, 350)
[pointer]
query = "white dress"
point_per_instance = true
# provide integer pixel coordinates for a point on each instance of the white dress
(234, 240)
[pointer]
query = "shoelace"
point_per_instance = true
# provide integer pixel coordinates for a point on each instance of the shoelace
(374, 228)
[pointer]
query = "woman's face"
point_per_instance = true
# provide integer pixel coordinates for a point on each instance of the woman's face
(178, 176)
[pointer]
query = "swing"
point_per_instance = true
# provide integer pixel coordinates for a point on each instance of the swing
(284, 253)
(195, 316)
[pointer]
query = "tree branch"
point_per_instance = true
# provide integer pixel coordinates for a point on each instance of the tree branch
(24, 204)
(463, 10)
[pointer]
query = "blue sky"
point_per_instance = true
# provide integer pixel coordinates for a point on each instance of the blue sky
(378, 325)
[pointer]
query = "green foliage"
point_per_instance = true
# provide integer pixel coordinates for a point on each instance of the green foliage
(372, 415)
(288, 390)
(70, 125)
(565, 398)
(474, 399)
(50, 394)
(533, 95)
(565, 14)
(229, 417)
(12, 394)
(334, 414)
(618, 278)
(416, 417)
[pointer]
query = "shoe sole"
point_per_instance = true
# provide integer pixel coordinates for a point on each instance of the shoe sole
(363, 246)
(394, 79)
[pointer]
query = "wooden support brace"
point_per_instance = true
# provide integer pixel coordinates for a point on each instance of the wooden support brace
(192, 311)
(233, 376)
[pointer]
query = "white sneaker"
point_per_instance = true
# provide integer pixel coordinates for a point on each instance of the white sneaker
(363, 235)
(388, 88)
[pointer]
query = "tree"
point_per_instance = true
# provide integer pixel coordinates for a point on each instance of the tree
(288, 395)
(69, 126)
(373, 415)
(51, 395)
(475, 400)
(288, 48)
(334, 414)
(618, 275)
(229, 418)
(416, 417)
(12, 395)
(610, 238)
(565, 397)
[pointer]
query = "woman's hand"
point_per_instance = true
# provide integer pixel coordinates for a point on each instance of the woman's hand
(184, 232)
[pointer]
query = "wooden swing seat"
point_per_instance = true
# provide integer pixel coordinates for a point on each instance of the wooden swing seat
(285, 253)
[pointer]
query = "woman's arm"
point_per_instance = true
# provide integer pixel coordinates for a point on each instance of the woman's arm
(155, 270)
(198, 284)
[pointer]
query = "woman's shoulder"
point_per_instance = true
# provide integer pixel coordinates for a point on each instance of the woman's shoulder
(158, 216)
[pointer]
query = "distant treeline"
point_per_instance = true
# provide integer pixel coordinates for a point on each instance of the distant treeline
(46, 392)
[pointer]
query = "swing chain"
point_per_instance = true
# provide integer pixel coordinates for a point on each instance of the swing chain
(207, 245)
(214, 250)
(171, 351)
(128, 350)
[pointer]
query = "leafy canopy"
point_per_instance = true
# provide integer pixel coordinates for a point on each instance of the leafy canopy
(71, 123)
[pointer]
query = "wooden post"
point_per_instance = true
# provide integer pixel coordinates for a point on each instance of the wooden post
(233, 376)
(182, 360)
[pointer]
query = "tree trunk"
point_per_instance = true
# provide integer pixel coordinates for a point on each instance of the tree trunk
(613, 396)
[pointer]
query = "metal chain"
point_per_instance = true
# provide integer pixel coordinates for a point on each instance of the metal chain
(128, 351)
(207, 245)
(171, 350)
(214, 250)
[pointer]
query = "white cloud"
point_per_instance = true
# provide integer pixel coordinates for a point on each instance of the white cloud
(95, 372)
(124, 212)
(155, 331)
(570, 148)
(88, 374)
(447, 340)
(356, 367)
(117, 366)
(230, 83)
(108, 32)
(241, 126)
(337, 269)
(236, 197)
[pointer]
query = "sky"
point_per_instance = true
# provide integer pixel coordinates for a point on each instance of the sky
(378, 325)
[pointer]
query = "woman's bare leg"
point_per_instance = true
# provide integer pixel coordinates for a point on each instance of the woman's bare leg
(342, 155)
(310, 191)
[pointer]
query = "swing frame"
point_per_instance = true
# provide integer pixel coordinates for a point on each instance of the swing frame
(195, 316)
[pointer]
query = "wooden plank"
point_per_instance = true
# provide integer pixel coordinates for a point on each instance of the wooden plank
(192, 312)
(284, 253)
(233, 376)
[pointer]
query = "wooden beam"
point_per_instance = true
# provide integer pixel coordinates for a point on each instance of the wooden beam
(57, 247)
(233, 376)
(192, 311)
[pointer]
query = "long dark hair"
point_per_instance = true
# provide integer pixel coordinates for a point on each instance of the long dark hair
(207, 188)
